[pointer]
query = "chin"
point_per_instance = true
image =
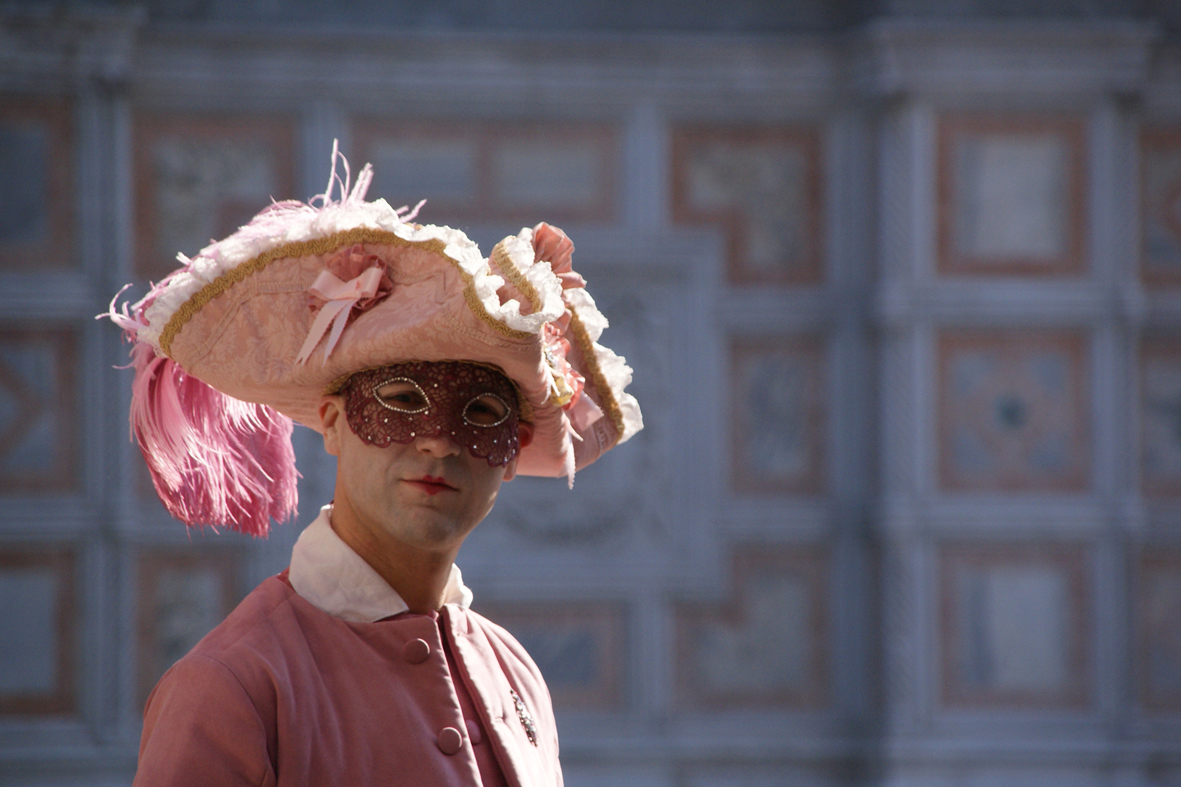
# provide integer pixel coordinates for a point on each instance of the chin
(432, 533)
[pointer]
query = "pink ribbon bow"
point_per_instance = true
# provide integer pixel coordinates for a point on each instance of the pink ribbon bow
(340, 297)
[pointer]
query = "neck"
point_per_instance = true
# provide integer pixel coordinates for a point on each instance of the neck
(419, 576)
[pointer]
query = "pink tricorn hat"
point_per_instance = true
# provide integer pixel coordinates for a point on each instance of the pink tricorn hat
(247, 337)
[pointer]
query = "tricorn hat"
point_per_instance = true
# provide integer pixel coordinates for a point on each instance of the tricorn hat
(250, 334)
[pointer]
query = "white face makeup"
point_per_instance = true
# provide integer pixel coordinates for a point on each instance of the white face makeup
(428, 493)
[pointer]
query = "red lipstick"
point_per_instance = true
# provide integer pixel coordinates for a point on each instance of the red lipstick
(432, 485)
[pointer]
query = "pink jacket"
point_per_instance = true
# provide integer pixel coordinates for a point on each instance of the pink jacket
(282, 693)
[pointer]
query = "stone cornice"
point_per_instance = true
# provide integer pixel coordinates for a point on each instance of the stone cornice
(897, 57)
(469, 71)
(52, 48)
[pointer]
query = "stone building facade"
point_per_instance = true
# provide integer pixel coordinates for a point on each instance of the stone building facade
(901, 286)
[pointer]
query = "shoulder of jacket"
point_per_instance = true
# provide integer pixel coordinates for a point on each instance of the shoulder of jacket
(251, 628)
(505, 644)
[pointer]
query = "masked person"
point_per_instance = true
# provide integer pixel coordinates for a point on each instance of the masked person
(434, 375)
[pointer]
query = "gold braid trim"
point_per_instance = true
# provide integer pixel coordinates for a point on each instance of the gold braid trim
(318, 246)
(596, 374)
(515, 275)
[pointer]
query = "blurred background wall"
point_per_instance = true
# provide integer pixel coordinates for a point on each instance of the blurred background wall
(901, 284)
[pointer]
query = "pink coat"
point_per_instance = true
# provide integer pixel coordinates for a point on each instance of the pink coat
(282, 693)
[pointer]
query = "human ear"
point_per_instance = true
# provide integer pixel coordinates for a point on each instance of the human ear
(331, 410)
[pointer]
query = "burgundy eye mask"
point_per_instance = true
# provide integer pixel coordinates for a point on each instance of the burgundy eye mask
(473, 405)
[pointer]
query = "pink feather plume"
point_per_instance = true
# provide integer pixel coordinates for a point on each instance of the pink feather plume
(214, 460)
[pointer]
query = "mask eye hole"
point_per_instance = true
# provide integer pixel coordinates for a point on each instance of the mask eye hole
(486, 410)
(402, 395)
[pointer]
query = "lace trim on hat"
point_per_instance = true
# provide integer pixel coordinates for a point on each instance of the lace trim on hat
(507, 267)
(318, 246)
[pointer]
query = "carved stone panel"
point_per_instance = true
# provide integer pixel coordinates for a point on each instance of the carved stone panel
(1160, 417)
(40, 429)
(770, 644)
(199, 178)
(762, 186)
(37, 616)
(632, 488)
(580, 647)
(778, 414)
(1013, 411)
(1012, 195)
(492, 171)
(1160, 204)
(36, 185)
(1158, 629)
(1014, 625)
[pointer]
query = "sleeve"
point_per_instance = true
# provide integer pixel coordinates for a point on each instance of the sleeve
(202, 727)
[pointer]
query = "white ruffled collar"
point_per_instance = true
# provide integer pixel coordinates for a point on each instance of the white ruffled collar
(327, 573)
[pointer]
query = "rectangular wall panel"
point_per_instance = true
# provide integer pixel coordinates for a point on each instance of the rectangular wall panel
(1014, 411)
(763, 188)
(778, 414)
(36, 185)
(580, 648)
(1160, 417)
(41, 434)
(492, 171)
(1012, 195)
(1158, 628)
(1014, 626)
(769, 644)
(1160, 205)
(200, 177)
(37, 616)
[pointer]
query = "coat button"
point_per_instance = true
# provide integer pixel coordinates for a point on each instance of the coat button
(416, 651)
(450, 740)
(473, 731)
